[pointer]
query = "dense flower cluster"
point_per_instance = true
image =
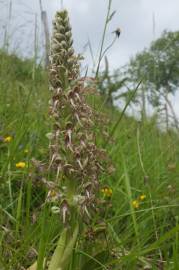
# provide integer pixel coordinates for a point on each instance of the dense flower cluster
(75, 160)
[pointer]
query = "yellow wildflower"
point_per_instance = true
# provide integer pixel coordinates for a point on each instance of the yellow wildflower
(142, 197)
(107, 191)
(7, 139)
(26, 151)
(20, 165)
(135, 204)
(109, 194)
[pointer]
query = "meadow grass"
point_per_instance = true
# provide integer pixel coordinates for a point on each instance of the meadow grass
(139, 232)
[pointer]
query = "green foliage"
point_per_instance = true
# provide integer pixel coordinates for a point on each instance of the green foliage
(158, 67)
(14, 68)
(146, 161)
(109, 85)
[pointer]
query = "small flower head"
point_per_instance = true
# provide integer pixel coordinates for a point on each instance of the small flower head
(142, 197)
(135, 204)
(8, 139)
(26, 151)
(52, 193)
(53, 196)
(107, 192)
(20, 165)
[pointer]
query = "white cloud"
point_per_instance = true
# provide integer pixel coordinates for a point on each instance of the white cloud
(87, 18)
(134, 17)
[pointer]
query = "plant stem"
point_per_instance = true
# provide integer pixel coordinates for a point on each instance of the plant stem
(103, 38)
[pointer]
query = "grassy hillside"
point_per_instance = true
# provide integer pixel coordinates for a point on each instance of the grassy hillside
(140, 213)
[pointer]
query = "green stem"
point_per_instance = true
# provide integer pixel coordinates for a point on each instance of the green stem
(58, 254)
(103, 38)
(63, 251)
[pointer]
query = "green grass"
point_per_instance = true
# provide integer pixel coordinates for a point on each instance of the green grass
(146, 161)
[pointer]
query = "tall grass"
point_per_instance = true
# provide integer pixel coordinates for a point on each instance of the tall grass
(146, 162)
(136, 224)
